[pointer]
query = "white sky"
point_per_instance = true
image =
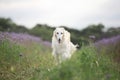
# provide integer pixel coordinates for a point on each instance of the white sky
(72, 13)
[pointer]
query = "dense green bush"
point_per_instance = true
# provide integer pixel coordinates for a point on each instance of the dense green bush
(43, 31)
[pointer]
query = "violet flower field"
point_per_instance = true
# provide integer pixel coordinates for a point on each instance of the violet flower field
(22, 38)
(110, 46)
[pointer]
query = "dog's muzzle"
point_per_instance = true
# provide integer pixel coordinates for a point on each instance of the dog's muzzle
(59, 40)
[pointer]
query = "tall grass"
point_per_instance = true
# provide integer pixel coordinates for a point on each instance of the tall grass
(9, 60)
(23, 63)
(33, 61)
(86, 64)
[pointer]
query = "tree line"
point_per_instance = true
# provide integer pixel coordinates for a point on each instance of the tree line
(94, 31)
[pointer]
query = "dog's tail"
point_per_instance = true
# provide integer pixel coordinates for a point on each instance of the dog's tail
(77, 46)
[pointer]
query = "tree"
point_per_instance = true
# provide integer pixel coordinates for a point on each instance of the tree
(5, 24)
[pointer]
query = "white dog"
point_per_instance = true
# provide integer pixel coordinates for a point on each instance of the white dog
(62, 45)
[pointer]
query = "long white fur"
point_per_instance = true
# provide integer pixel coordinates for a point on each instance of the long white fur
(65, 48)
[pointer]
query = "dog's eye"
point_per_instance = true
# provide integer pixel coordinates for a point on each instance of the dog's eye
(57, 33)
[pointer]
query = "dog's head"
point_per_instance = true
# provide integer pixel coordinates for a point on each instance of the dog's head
(61, 34)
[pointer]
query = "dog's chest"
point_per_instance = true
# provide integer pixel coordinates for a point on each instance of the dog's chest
(61, 47)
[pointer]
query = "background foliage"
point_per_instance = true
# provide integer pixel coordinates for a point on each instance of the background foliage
(45, 31)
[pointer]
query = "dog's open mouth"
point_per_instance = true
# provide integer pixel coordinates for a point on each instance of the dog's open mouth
(59, 41)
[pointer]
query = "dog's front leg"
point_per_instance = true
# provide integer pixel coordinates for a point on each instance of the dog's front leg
(56, 57)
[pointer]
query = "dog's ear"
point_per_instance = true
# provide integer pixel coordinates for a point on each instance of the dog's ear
(67, 35)
(54, 33)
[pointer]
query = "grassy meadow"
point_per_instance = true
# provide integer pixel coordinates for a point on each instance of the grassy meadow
(26, 57)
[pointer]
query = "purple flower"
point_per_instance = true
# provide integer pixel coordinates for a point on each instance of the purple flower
(108, 44)
(22, 38)
(109, 41)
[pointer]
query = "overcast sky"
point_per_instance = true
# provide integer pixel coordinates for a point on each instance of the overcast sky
(72, 13)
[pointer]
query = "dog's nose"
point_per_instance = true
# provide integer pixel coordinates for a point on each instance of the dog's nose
(59, 40)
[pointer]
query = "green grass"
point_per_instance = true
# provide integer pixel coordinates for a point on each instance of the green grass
(86, 65)
(18, 62)
(35, 62)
